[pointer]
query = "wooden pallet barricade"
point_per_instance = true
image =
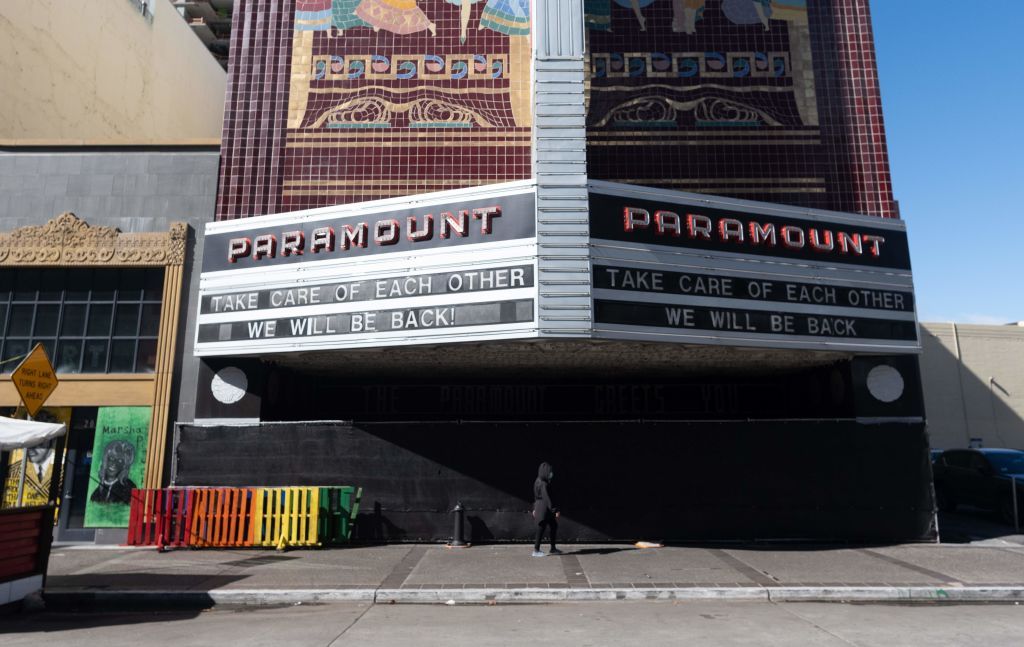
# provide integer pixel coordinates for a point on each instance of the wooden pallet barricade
(339, 507)
(160, 517)
(222, 517)
(286, 516)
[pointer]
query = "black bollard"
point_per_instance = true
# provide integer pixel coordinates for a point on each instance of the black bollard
(460, 514)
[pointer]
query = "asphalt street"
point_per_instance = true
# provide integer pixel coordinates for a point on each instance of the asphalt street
(622, 624)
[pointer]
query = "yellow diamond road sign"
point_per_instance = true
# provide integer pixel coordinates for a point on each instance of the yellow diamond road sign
(35, 380)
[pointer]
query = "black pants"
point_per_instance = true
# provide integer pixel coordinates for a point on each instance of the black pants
(552, 524)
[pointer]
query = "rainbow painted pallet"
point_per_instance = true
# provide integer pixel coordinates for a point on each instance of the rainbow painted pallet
(242, 517)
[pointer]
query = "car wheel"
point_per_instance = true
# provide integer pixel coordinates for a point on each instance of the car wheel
(944, 500)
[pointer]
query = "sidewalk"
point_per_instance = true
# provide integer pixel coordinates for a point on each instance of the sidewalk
(424, 573)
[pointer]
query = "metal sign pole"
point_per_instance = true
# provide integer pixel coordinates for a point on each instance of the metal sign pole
(24, 469)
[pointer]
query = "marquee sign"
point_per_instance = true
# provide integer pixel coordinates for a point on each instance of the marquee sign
(742, 288)
(446, 225)
(465, 266)
(719, 229)
(394, 287)
(369, 322)
(671, 266)
(452, 266)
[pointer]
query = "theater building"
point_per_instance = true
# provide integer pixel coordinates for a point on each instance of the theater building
(653, 243)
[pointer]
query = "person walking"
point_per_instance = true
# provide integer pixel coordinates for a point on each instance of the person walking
(544, 511)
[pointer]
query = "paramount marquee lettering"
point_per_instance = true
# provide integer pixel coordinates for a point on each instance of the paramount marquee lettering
(372, 321)
(457, 223)
(735, 229)
(750, 232)
(735, 287)
(396, 287)
(731, 320)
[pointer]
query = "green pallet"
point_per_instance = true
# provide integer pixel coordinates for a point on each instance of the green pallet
(339, 507)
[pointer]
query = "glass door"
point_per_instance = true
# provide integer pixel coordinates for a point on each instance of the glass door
(71, 519)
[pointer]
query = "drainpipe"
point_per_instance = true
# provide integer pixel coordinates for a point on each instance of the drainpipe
(960, 376)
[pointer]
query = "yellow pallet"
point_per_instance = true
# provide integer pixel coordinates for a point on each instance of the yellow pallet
(285, 516)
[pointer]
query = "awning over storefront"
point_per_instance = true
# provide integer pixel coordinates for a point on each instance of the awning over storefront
(16, 434)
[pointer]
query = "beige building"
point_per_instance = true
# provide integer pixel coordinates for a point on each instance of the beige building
(973, 384)
(110, 122)
(105, 72)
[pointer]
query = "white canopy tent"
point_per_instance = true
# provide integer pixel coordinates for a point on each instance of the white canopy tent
(19, 434)
(22, 434)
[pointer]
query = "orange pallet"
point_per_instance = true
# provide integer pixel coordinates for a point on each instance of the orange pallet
(222, 517)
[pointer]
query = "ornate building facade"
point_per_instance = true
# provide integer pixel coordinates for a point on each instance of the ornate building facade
(631, 236)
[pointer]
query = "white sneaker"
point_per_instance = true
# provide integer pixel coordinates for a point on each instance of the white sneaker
(537, 553)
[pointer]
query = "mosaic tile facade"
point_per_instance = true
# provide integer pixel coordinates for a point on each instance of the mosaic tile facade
(339, 101)
(773, 100)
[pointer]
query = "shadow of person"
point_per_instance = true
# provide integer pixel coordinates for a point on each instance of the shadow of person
(608, 550)
(375, 526)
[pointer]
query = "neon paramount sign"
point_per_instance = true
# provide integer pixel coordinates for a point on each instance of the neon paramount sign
(751, 233)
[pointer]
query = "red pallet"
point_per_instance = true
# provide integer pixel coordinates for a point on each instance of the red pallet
(160, 517)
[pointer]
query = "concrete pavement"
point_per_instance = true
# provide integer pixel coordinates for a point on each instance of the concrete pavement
(433, 573)
(627, 624)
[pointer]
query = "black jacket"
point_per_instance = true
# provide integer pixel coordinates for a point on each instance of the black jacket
(542, 504)
(119, 491)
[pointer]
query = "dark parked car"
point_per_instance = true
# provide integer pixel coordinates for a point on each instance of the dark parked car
(980, 477)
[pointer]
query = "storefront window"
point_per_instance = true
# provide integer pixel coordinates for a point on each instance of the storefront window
(89, 320)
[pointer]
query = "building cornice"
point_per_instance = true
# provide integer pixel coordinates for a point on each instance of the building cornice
(67, 240)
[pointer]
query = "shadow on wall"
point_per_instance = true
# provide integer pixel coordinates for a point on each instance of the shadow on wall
(692, 481)
(973, 385)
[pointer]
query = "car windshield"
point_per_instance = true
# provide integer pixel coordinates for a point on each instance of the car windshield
(1007, 463)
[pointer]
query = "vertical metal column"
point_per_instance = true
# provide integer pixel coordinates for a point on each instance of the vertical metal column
(560, 169)
(24, 469)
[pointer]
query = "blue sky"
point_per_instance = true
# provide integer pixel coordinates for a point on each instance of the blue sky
(952, 76)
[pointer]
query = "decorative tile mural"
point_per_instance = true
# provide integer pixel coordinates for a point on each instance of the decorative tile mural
(383, 98)
(725, 97)
(341, 101)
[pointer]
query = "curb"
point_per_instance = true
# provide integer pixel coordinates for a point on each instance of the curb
(469, 596)
(897, 594)
(77, 598)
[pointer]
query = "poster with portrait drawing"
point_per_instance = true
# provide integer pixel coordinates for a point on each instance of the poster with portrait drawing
(41, 460)
(119, 459)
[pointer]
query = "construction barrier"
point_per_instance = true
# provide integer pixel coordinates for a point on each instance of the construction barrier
(241, 517)
(160, 517)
